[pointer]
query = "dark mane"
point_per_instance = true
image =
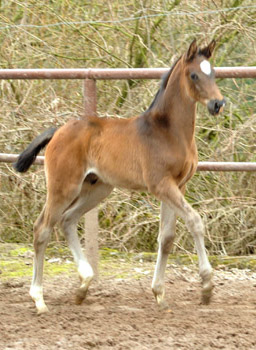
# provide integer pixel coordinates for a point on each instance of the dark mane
(165, 79)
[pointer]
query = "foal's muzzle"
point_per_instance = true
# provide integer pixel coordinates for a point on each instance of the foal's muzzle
(214, 106)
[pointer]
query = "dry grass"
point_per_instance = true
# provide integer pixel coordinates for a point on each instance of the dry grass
(226, 201)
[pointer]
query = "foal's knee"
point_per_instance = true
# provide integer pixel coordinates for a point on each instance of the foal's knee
(38, 223)
(65, 223)
(41, 239)
(166, 243)
(195, 224)
(41, 234)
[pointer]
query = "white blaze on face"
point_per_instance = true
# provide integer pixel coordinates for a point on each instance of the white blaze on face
(205, 67)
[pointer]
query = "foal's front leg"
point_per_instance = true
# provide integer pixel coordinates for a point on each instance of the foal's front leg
(173, 196)
(165, 242)
(195, 225)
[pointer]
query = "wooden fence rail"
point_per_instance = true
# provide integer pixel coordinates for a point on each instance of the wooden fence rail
(202, 166)
(114, 73)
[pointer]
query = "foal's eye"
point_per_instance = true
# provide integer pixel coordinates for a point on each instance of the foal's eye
(194, 76)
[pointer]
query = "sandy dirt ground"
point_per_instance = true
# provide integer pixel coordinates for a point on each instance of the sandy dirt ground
(121, 314)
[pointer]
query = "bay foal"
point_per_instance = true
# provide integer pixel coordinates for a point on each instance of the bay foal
(156, 151)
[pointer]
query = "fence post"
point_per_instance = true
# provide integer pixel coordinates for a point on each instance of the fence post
(91, 218)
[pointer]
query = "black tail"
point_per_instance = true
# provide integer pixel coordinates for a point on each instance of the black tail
(27, 157)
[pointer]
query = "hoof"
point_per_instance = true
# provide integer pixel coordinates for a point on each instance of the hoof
(78, 300)
(164, 306)
(207, 293)
(159, 294)
(80, 296)
(206, 298)
(85, 282)
(42, 310)
(208, 286)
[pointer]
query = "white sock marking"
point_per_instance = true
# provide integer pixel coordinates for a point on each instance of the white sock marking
(85, 270)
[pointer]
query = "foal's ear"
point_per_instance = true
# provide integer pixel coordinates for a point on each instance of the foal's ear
(192, 51)
(208, 50)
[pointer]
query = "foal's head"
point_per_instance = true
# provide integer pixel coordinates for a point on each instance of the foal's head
(199, 77)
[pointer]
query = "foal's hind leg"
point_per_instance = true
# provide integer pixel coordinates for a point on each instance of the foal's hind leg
(89, 197)
(165, 242)
(42, 232)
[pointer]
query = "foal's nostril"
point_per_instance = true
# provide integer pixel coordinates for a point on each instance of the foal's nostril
(217, 107)
(214, 106)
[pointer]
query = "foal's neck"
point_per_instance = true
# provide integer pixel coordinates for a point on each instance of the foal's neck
(176, 107)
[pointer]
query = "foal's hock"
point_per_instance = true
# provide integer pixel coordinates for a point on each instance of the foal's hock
(156, 152)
